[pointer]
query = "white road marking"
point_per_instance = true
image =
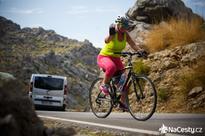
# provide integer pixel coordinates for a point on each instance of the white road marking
(104, 125)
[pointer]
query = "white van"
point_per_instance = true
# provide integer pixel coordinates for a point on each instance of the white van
(48, 90)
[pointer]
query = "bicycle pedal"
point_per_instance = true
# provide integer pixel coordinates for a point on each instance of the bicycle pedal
(123, 110)
(102, 95)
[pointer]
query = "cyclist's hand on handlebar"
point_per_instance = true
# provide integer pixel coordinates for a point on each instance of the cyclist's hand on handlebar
(143, 53)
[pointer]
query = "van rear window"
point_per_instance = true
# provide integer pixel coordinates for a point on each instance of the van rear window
(48, 83)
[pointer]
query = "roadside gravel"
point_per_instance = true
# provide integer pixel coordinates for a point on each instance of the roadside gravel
(58, 128)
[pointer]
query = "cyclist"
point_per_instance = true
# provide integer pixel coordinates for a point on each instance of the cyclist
(111, 62)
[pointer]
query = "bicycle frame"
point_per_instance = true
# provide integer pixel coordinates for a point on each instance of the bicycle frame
(127, 83)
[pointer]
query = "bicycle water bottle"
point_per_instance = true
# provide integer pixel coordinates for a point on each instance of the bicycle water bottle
(116, 79)
(121, 82)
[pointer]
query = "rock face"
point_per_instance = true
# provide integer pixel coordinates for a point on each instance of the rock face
(151, 11)
(35, 50)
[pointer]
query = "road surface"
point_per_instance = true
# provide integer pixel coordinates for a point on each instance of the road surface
(184, 124)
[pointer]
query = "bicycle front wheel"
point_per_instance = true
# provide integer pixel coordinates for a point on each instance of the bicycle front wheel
(100, 104)
(142, 98)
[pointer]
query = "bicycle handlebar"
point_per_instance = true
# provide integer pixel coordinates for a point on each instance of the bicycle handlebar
(139, 54)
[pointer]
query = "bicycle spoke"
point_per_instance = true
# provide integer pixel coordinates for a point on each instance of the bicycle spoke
(142, 98)
(100, 104)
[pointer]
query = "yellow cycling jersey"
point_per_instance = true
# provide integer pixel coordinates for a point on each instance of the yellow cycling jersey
(114, 46)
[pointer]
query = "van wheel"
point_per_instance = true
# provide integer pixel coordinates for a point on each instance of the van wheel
(63, 108)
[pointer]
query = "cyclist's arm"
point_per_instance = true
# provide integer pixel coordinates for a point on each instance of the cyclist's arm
(132, 43)
(112, 31)
(109, 38)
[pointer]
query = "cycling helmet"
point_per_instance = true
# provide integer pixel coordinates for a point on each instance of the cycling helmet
(123, 21)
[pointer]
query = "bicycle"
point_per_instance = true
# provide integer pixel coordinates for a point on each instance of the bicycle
(141, 96)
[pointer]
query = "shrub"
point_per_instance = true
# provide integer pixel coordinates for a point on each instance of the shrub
(175, 33)
(140, 68)
(163, 94)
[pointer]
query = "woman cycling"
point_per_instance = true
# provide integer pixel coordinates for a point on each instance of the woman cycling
(110, 62)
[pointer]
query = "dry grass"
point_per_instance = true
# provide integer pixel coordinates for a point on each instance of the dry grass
(175, 33)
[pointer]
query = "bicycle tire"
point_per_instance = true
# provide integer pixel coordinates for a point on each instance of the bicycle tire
(141, 107)
(101, 107)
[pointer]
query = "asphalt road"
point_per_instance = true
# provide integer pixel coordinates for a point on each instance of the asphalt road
(184, 124)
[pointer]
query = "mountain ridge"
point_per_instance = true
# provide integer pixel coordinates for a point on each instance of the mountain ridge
(35, 50)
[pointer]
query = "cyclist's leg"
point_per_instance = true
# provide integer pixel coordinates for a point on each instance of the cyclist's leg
(108, 65)
(118, 63)
(124, 93)
(120, 66)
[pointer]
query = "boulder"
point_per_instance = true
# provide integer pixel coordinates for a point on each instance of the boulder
(6, 76)
(17, 115)
(151, 11)
(195, 91)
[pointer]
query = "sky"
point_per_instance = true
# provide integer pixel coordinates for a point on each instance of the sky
(75, 19)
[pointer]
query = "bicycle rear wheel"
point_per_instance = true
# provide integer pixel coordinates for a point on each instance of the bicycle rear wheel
(100, 104)
(142, 98)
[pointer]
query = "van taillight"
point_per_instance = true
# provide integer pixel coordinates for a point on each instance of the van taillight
(31, 87)
(65, 90)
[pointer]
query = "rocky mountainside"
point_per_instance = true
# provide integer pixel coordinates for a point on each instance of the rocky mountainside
(178, 73)
(24, 51)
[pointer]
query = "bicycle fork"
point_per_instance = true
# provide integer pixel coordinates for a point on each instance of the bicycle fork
(135, 83)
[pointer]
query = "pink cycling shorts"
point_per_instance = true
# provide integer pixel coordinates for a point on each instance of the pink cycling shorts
(109, 64)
